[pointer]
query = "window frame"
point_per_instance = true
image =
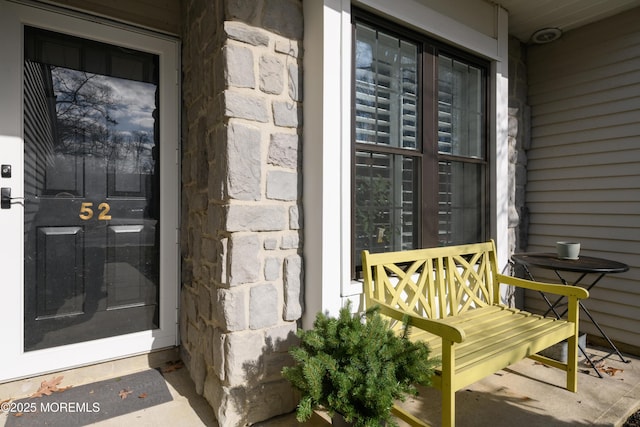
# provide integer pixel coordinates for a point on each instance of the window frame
(427, 151)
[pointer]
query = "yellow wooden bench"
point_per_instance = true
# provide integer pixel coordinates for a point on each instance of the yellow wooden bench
(452, 297)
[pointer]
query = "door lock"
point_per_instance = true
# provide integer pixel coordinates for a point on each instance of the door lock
(6, 171)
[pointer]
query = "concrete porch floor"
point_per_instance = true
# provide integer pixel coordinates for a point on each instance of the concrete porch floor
(527, 394)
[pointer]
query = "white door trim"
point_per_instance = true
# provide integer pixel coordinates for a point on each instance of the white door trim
(15, 362)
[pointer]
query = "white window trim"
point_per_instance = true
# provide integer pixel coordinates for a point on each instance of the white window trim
(327, 136)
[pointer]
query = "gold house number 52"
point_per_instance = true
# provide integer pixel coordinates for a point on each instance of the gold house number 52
(86, 211)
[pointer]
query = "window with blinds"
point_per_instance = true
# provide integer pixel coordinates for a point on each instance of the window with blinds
(461, 151)
(387, 153)
(419, 148)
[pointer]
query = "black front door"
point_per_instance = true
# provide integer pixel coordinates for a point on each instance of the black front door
(91, 190)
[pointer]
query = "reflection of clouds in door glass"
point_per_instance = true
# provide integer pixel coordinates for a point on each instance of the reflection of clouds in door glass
(105, 117)
(129, 102)
(135, 102)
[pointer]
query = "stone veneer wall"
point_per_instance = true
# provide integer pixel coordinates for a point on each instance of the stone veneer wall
(519, 142)
(241, 230)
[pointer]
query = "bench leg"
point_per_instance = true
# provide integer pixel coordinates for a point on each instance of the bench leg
(447, 389)
(572, 345)
(572, 364)
(448, 407)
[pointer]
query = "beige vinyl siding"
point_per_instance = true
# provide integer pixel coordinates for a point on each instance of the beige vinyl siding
(584, 161)
(159, 15)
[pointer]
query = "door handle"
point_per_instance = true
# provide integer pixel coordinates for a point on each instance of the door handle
(5, 200)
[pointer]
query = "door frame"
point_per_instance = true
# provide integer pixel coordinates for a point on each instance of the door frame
(17, 363)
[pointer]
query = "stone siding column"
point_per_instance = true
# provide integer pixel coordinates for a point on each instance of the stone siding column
(242, 270)
(519, 142)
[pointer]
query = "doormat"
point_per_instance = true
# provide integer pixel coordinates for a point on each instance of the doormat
(90, 403)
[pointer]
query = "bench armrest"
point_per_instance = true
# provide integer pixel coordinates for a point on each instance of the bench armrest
(433, 326)
(565, 290)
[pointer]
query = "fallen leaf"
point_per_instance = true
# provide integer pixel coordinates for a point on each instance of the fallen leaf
(18, 414)
(124, 393)
(142, 396)
(599, 365)
(172, 366)
(49, 387)
(612, 371)
(6, 400)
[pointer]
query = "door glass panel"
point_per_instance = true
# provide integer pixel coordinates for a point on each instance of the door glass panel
(91, 190)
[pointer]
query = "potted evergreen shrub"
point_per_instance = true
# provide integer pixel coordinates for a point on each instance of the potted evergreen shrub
(356, 366)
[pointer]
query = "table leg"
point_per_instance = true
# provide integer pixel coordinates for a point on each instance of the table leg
(552, 307)
(593, 365)
(602, 333)
(564, 282)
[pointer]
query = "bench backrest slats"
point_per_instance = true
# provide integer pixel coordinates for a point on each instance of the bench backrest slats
(435, 282)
